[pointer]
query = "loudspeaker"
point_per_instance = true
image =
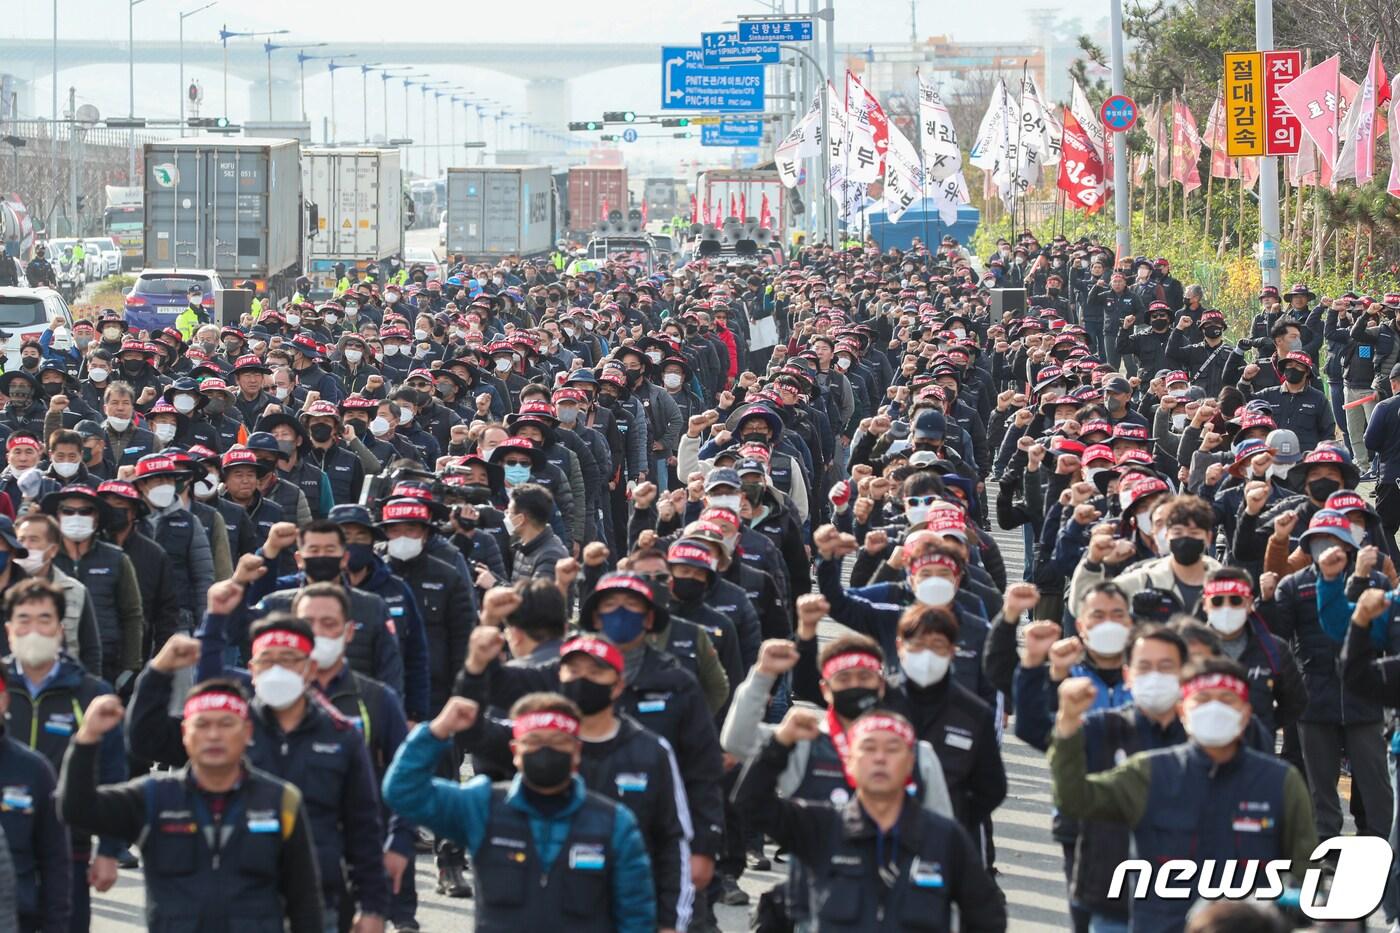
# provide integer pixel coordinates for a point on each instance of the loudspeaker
(1007, 299)
(230, 305)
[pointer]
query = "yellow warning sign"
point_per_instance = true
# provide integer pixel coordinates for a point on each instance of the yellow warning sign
(321, 223)
(345, 224)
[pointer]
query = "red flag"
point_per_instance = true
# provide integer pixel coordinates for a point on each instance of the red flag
(765, 218)
(706, 217)
(1081, 170)
(1393, 186)
(743, 205)
(644, 210)
(1357, 160)
(1249, 171)
(605, 209)
(694, 210)
(864, 106)
(731, 207)
(1313, 98)
(1186, 147)
(1221, 165)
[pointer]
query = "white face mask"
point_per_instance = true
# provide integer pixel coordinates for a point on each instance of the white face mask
(205, 488)
(66, 470)
(32, 563)
(405, 416)
(34, 649)
(98, 374)
(294, 319)
(278, 687)
(672, 380)
(391, 349)
(165, 432)
(724, 502)
(77, 527)
(1144, 522)
(420, 334)
(1213, 724)
(843, 363)
(1227, 620)
(327, 651)
(654, 356)
(917, 514)
(405, 548)
(1107, 638)
(502, 364)
(184, 404)
(353, 356)
(1159, 539)
(935, 591)
(161, 497)
(379, 427)
(1155, 692)
(118, 424)
(925, 667)
(1179, 423)
(282, 392)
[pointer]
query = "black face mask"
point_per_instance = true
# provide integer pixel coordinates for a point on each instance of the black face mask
(753, 492)
(118, 520)
(216, 407)
(133, 367)
(688, 590)
(29, 362)
(1187, 550)
(853, 702)
(754, 437)
(1160, 323)
(547, 767)
(1294, 376)
(320, 433)
(321, 568)
(1320, 489)
(590, 697)
(1212, 333)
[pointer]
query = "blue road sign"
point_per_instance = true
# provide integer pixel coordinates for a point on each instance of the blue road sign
(724, 48)
(629, 135)
(686, 84)
(732, 133)
(789, 30)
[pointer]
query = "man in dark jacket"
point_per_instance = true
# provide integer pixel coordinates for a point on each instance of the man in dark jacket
(536, 548)
(1211, 364)
(1148, 345)
(1298, 404)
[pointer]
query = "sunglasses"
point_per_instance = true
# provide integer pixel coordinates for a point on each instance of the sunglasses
(86, 510)
(915, 501)
(1217, 602)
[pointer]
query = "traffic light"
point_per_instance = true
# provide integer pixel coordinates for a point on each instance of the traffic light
(216, 122)
(609, 137)
(675, 121)
(685, 135)
(586, 126)
(82, 202)
(619, 116)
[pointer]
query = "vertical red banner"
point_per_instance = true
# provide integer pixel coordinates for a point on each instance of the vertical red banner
(1283, 133)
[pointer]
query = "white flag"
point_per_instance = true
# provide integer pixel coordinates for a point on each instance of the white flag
(1088, 119)
(990, 146)
(949, 195)
(903, 177)
(787, 158)
(811, 124)
(862, 155)
(939, 139)
(837, 132)
(1040, 130)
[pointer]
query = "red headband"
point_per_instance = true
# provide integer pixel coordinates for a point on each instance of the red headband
(23, 441)
(936, 560)
(281, 638)
(849, 660)
(882, 723)
(1215, 682)
(216, 701)
(559, 722)
(1228, 588)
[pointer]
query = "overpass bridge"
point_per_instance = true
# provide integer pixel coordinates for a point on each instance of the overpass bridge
(546, 68)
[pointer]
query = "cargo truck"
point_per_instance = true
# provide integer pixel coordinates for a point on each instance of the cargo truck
(495, 211)
(592, 188)
(745, 190)
(359, 206)
(121, 220)
(231, 205)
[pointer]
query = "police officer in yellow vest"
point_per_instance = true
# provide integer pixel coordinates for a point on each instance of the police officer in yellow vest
(194, 314)
(342, 280)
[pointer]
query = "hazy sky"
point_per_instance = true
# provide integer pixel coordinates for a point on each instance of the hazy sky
(543, 21)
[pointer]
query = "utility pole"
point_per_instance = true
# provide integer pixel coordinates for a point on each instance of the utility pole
(1269, 233)
(131, 88)
(1122, 205)
(74, 165)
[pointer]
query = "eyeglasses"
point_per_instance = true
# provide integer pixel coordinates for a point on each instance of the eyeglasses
(85, 510)
(1217, 602)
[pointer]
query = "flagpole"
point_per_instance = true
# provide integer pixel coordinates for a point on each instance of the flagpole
(1171, 160)
(1268, 165)
(1157, 162)
(923, 172)
(1122, 172)
(1020, 127)
(1184, 192)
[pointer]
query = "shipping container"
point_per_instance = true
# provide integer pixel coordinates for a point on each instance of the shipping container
(359, 203)
(745, 190)
(500, 210)
(590, 190)
(922, 220)
(228, 204)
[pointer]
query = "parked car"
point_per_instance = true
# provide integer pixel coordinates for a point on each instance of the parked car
(29, 311)
(159, 295)
(107, 248)
(422, 256)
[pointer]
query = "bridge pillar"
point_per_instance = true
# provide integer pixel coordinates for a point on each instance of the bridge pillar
(547, 100)
(286, 102)
(16, 93)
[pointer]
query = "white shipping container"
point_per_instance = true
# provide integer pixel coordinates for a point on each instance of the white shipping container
(357, 193)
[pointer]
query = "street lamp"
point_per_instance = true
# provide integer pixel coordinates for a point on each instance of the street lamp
(269, 47)
(384, 75)
(183, 90)
(130, 87)
(331, 66)
(302, 59)
(226, 34)
(364, 98)
(425, 87)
